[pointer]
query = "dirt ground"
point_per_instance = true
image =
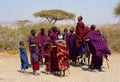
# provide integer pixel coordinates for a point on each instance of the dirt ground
(10, 66)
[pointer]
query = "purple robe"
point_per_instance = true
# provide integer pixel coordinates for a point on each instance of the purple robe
(42, 40)
(98, 45)
(34, 49)
(72, 47)
(97, 62)
(53, 38)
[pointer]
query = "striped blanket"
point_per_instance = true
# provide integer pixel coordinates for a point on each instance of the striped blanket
(62, 54)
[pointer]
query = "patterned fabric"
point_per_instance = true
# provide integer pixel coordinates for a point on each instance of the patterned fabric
(42, 40)
(23, 58)
(98, 44)
(62, 54)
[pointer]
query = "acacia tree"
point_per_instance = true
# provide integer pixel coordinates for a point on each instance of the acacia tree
(22, 23)
(117, 9)
(55, 15)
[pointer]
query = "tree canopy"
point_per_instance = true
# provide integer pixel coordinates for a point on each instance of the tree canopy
(22, 23)
(54, 15)
(117, 9)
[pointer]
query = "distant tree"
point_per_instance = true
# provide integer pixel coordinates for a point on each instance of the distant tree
(54, 15)
(22, 23)
(117, 9)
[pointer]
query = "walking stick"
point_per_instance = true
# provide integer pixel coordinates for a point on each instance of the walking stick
(107, 63)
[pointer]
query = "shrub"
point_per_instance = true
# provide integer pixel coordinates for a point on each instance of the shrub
(10, 37)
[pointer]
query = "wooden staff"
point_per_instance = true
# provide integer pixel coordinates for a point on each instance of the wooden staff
(107, 63)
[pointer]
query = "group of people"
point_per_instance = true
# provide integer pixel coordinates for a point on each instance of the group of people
(58, 50)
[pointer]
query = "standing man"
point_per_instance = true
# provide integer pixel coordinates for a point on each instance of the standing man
(98, 47)
(42, 39)
(71, 46)
(65, 34)
(34, 51)
(80, 33)
(54, 62)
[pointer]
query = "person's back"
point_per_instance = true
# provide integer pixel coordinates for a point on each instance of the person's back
(98, 48)
(62, 55)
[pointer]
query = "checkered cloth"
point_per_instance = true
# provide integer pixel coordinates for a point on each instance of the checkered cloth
(99, 43)
(62, 55)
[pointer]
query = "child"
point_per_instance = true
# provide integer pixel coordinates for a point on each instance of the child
(23, 57)
(48, 49)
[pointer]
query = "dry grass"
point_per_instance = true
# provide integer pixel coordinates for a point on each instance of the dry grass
(111, 32)
(9, 38)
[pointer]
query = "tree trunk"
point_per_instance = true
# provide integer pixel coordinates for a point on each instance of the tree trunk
(54, 21)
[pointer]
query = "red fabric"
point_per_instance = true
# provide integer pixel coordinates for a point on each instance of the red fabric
(87, 31)
(62, 55)
(80, 30)
(48, 62)
(67, 38)
(35, 65)
(36, 40)
(54, 61)
(81, 33)
(48, 49)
